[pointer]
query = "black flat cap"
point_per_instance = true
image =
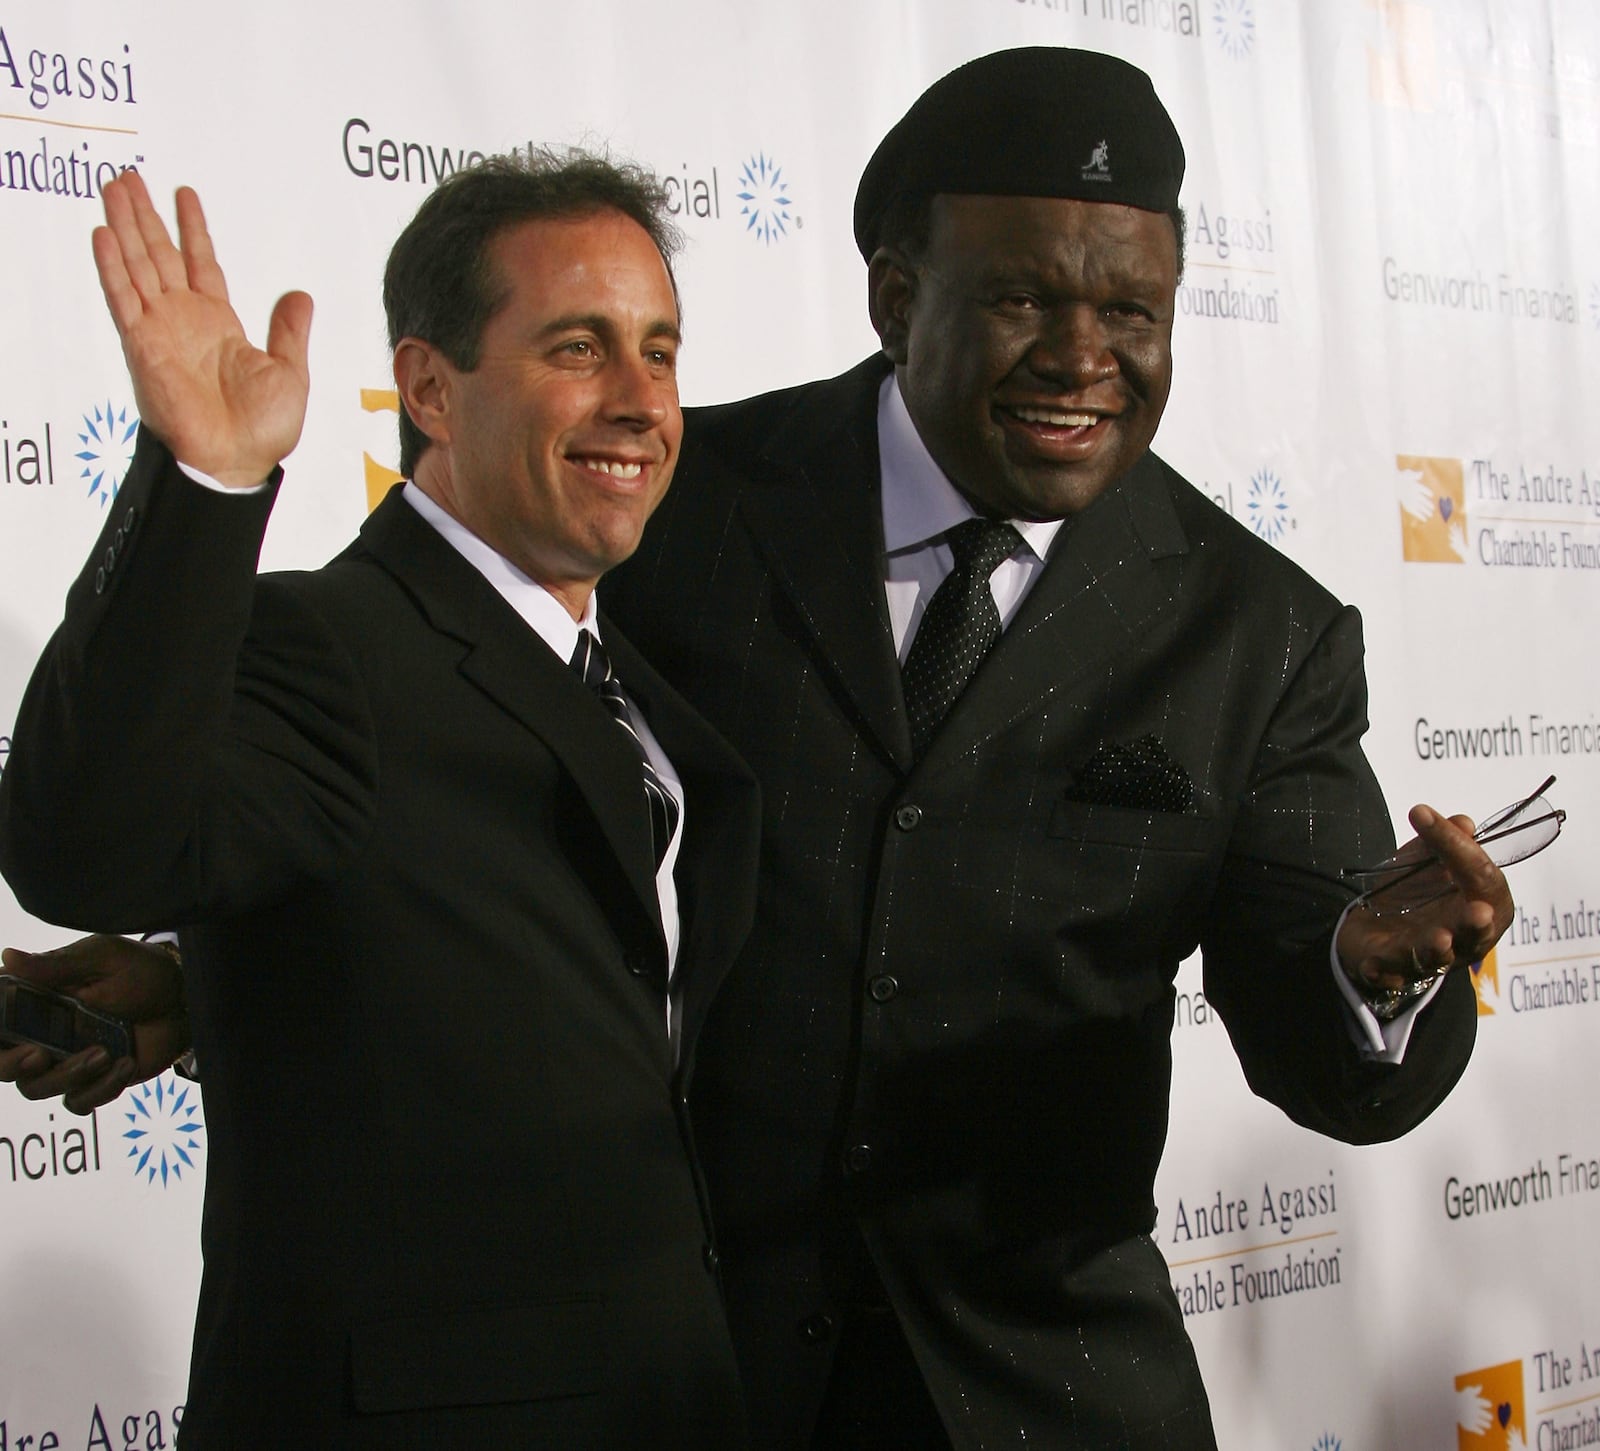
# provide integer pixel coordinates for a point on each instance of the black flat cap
(1043, 120)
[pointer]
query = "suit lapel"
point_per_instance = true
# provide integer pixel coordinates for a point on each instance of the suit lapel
(1099, 598)
(819, 524)
(508, 662)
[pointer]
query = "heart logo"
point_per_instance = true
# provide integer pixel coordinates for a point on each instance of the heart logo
(1504, 1413)
(1447, 507)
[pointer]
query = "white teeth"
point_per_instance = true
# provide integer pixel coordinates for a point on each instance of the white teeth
(1056, 419)
(612, 467)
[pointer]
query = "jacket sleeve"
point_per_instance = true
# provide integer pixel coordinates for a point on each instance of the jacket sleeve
(1313, 808)
(192, 741)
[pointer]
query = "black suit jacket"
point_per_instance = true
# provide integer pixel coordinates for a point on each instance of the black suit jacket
(448, 1200)
(950, 1027)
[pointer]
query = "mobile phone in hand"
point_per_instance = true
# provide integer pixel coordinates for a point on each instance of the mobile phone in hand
(59, 1024)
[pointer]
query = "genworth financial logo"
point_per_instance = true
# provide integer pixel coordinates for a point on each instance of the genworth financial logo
(755, 193)
(105, 449)
(34, 453)
(164, 1129)
(1229, 24)
(1262, 501)
(765, 203)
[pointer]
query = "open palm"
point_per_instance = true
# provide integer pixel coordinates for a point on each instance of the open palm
(223, 406)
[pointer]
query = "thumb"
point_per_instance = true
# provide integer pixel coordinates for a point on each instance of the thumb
(289, 332)
(44, 969)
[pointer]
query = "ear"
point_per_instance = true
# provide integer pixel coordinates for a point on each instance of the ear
(422, 377)
(891, 289)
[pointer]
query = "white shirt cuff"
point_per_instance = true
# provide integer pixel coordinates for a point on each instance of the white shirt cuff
(207, 482)
(1379, 1042)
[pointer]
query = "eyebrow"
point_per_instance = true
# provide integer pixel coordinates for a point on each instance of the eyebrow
(598, 322)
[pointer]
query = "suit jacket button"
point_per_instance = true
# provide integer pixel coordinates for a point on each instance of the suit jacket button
(130, 519)
(814, 1329)
(883, 987)
(636, 964)
(99, 581)
(858, 1158)
(908, 818)
(111, 560)
(709, 1254)
(117, 541)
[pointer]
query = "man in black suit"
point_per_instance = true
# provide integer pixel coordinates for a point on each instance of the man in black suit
(932, 1095)
(451, 913)
(1007, 789)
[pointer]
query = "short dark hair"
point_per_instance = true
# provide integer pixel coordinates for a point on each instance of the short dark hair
(907, 222)
(440, 284)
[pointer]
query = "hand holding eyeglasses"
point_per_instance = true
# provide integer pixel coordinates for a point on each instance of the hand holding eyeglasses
(1441, 900)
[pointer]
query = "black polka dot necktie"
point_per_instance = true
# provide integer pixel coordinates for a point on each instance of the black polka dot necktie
(593, 665)
(959, 627)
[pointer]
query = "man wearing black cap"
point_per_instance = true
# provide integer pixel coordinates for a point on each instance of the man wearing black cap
(1032, 720)
(1026, 738)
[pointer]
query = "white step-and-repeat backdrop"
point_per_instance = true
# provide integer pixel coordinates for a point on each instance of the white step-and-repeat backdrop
(1388, 365)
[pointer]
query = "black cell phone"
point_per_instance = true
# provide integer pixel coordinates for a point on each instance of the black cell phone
(60, 1025)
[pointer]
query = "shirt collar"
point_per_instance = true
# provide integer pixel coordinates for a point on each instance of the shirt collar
(919, 501)
(530, 599)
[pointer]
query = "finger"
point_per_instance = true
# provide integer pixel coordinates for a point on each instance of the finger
(22, 1062)
(85, 1074)
(1483, 904)
(62, 969)
(122, 297)
(121, 199)
(194, 241)
(1450, 839)
(85, 1098)
(289, 332)
(165, 257)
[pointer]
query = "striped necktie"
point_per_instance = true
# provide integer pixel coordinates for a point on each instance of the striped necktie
(590, 660)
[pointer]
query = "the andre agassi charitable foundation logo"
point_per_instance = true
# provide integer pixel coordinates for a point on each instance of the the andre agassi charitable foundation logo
(1486, 983)
(1491, 1414)
(1433, 509)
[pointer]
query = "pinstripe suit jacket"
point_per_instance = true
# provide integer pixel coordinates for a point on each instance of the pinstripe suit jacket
(950, 1026)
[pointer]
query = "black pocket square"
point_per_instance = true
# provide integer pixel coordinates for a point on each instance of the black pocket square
(1142, 776)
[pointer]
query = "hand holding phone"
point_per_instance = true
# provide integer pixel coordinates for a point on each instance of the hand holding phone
(137, 985)
(61, 1025)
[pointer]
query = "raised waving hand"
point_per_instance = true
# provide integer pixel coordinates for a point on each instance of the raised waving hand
(222, 405)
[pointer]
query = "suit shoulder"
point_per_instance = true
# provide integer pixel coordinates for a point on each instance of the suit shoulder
(1234, 550)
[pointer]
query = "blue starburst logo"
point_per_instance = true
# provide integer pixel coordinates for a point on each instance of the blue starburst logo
(164, 1128)
(764, 199)
(1267, 507)
(106, 450)
(1325, 1442)
(1233, 22)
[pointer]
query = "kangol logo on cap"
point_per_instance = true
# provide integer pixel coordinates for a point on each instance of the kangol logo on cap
(1098, 166)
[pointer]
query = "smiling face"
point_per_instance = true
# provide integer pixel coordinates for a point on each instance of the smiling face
(558, 445)
(1032, 339)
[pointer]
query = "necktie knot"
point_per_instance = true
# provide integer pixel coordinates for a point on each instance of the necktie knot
(981, 545)
(590, 660)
